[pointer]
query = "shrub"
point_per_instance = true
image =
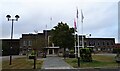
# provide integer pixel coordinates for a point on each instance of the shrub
(116, 50)
(71, 54)
(86, 54)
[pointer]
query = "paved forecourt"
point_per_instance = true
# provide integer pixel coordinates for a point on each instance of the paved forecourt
(55, 62)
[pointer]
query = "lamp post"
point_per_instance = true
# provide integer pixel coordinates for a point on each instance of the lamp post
(16, 19)
(88, 35)
(35, 49)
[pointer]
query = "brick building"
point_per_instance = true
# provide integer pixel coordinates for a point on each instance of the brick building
(43, 44)
(100, 44)
(6, 44)
(117, 45)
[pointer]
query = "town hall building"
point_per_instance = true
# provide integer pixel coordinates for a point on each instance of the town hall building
(43, 44)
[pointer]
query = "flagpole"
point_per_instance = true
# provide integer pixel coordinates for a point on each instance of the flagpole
(46, 35)
(82, 17)
(46, 28)
(75, 44)
(78, 41)
(82, 35)
(78, 49)
(75, 28)
(51, 21)
(46, 39)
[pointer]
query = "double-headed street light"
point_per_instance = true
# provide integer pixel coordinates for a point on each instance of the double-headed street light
(16, 19)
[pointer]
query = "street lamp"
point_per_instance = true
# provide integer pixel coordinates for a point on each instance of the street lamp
(88, 35)
(16, 19)
(35, 49)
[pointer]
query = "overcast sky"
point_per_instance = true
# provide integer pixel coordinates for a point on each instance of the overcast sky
(100, 16)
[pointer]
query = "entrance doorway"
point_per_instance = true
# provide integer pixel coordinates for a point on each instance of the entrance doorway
(50, 51)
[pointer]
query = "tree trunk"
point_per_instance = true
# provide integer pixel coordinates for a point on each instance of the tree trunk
(64, 53)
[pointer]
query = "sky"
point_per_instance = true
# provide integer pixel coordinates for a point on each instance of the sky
(100, 16)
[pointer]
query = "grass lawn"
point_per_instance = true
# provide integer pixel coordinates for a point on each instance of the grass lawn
(21, 63)
(98, 61)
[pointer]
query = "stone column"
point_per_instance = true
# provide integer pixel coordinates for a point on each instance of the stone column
(53, 51)
(48, 51)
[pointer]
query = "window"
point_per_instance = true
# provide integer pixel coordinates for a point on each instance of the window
(111, 43)
(29, 43)
(94, 44)
(103, 43)
(85, 43)
(107, 43)
(89, 44)
(99, 49)
(24, 43)
(98, 43)
(80, 43)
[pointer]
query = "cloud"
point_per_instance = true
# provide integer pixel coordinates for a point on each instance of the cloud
(100, 15)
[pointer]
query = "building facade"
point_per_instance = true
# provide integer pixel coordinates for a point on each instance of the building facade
(117, 45)
(40, 42)
(43, 44)
(6, 45)
(100, 44)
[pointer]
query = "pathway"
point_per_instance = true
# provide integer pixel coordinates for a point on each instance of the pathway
(54, 62)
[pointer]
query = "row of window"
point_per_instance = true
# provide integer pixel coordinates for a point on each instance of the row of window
(103, 49)
(96, 43)
(27, 43)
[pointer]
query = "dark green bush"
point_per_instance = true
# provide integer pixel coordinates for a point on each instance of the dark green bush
(71, 54)
(71, 51)
(86, 54)
(116, 50)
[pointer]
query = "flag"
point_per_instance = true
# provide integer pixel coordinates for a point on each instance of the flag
(77, 13)
(46, 26)
(50, 18)
(75, 27)
(82, 17)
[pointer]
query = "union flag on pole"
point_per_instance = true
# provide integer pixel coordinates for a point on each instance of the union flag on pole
(75, 27)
